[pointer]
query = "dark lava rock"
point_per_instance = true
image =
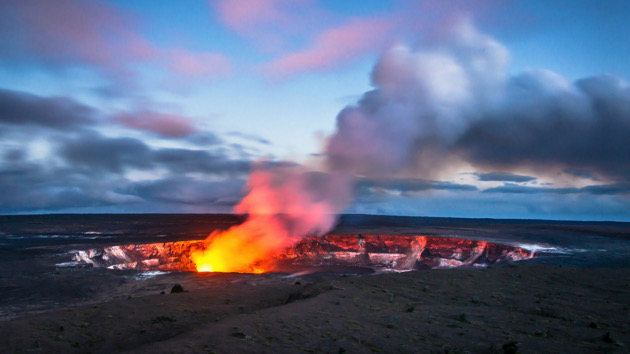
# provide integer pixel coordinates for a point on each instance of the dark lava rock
(608, 338)
(510, 348)
(162, 319)
(239, 334)
(177, 289)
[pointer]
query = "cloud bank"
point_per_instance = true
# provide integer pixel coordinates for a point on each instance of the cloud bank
(434, 107)
(55, 158)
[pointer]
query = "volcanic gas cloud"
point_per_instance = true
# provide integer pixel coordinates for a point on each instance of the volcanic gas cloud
(449, 102)
(284, 204)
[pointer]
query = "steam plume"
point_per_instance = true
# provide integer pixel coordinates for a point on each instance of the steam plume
(457, 102)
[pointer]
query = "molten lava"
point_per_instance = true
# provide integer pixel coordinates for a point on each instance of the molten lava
(246, 248)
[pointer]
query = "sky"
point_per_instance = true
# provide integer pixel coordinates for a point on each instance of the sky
(492, 109)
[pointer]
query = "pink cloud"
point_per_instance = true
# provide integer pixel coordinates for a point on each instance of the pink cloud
(334, 47)
(92, 33)
(242, 15)
(205, 64)
(81, 31)
(166, 125)
(271, 24)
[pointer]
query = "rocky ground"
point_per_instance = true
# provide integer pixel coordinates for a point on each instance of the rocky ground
(502, 309)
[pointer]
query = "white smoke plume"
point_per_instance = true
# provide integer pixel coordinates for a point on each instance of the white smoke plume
(456, 102)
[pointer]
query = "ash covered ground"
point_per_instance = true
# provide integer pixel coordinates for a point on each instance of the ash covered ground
(574, 293)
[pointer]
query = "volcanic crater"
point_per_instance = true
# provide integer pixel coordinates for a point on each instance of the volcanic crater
(368, 251)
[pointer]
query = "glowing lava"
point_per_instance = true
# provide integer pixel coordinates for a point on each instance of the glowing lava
(245, 248)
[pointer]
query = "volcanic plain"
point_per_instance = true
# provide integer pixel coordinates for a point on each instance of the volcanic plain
(573, 297)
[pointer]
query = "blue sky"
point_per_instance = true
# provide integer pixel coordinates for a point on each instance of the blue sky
(144, 106)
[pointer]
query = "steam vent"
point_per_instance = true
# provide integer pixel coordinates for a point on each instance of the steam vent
(362, 250)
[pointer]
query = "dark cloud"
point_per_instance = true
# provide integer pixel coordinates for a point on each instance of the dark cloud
(14, 155)
(250, 137)
(61, 113)
(503, 177)
(205, 139)
(582, 206)
(162, 124)
(100, 153)
(412, 185)
(519, 189)
(605, 189)
(28, 187)
(582, 127)
(106, 154)
(185, 190)
(32, 187)
(185, 160)
(608, 189)
(582, 173)
(78, 168)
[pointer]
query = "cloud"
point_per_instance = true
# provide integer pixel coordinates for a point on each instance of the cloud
(186, 190)
(60, 32)
(329, 40)
(205, 139)
(165, 125)
(186, 160)
(193, 64)
(305, 36)
(503, 177)
(71, 133)
(251, 137)
(244, 15)
(421, 102)
(412, 185)
(90, 172)
(99, 154)
(334, 47)
(64, 114)
(60, 113)
(70, 33)
(576, 206)
(549, 123)
(31, 187)
(582, 173)
(608, 189)
(55, 159)
(605, 189)
(436, 106)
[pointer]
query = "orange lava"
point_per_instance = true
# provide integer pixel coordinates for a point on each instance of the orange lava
(246, 248)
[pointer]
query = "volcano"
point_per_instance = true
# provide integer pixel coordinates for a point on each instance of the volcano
(385, 252)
